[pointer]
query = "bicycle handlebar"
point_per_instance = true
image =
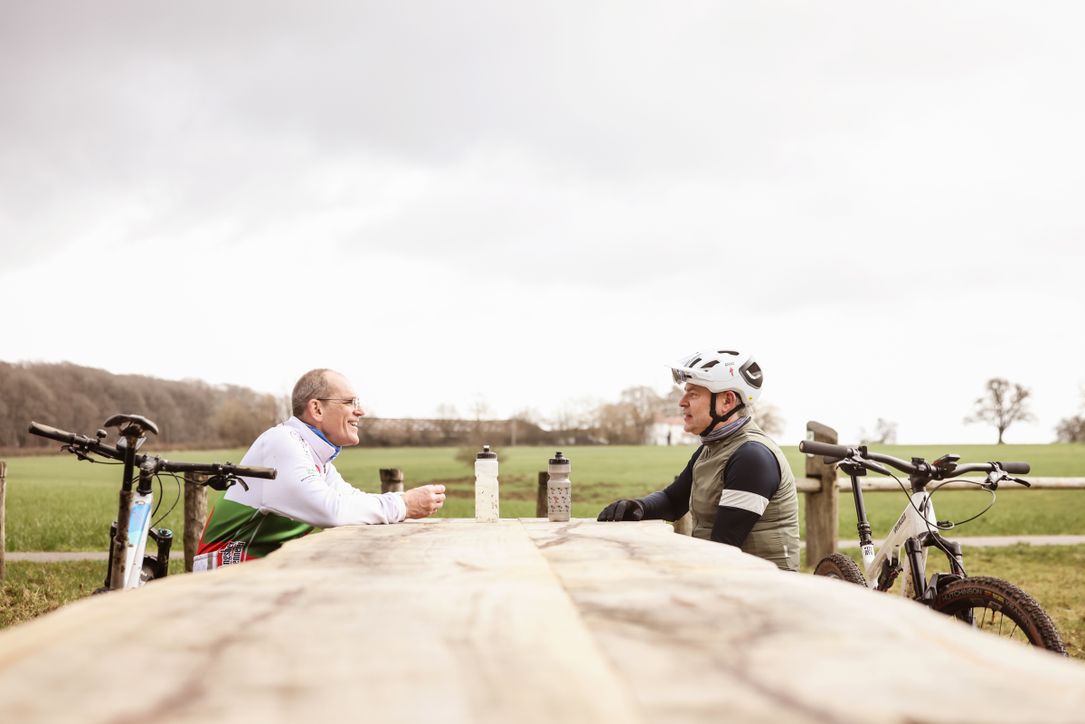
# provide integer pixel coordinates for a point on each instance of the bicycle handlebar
(58, 435)
(87, 444)
(829, 450)
(924, 468)
(219, 469)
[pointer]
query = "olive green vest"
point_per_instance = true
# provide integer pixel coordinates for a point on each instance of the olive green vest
(775, 537)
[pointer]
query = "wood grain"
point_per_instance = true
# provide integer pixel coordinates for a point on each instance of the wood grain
(518, 621)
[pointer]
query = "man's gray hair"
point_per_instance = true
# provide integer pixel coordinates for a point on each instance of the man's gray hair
(312, 385)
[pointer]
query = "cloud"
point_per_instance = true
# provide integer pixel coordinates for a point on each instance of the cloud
(483, 178)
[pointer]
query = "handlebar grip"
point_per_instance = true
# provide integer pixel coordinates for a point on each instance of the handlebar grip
(51, 433)
(1016, 468)
(813, 447)
(248, 472)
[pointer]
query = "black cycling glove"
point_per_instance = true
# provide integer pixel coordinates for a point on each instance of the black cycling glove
(623, 510)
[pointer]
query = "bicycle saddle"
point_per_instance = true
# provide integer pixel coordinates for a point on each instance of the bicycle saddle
(131, 425)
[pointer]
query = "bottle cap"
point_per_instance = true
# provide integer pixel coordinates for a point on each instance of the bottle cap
(486, 454)
(559, 459)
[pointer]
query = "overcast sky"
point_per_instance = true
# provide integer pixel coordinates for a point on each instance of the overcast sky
(535, 205)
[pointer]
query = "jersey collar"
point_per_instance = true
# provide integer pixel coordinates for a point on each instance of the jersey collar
(322, 447)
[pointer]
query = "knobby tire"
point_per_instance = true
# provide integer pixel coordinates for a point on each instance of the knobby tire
(1000, 607)
(840, 566)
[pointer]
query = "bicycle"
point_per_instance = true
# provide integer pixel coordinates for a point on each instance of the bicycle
(981, 601)
(128, 543)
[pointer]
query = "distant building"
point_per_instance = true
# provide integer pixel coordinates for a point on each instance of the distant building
(669, 431)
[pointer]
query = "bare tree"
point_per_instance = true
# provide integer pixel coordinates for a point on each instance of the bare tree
(885, 433)
(767, 417)
(579, 414)
(627, 421)
(1003, 404)
(448, 422)
(1072, 429)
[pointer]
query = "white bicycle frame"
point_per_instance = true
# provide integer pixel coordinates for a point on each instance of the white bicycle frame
(910, 524)
(139, 526)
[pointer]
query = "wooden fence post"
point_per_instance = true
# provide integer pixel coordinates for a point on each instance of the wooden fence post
(822, 505)
(542, 510)
(195, 515)
(3, 533)
(391, 480)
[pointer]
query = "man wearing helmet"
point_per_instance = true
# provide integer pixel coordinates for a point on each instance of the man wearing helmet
(738, 487)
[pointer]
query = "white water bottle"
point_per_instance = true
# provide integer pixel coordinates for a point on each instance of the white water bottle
(559, 489)
(486, 503)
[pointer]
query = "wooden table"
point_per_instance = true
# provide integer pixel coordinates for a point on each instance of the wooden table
(518, 621)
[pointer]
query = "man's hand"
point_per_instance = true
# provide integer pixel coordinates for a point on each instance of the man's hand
(424, 500)
(623, 510)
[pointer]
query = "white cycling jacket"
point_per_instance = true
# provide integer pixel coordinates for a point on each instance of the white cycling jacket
(308, 488)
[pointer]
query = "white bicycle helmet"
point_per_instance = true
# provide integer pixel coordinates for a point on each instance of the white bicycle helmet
(721, 370)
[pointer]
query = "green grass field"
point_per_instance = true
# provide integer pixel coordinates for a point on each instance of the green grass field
(55, 503)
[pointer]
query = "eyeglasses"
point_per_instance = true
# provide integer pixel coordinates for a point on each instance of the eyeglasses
(352, 401)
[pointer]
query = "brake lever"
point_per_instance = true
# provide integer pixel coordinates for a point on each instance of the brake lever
(1019, 481)
(223, 482)
(79, 454)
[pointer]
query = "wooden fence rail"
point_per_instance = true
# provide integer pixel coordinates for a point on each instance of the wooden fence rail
(821, 487)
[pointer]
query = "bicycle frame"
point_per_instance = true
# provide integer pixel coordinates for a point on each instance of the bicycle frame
(128, 542)
(914, 532)
(128, 535)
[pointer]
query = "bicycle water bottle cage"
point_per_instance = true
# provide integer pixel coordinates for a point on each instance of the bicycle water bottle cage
(131, 425)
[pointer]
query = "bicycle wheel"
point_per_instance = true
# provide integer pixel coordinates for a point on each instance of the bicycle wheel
(1001, 608)
(840, 566)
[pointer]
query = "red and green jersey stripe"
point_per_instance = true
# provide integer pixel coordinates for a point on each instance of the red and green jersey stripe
(233, 524)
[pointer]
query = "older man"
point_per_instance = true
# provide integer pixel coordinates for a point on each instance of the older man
(738, 485)
(308, 492)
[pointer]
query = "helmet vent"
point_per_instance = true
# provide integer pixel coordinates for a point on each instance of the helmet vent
(726, 351)
(710, 365)
(693, 361)
(752, 373)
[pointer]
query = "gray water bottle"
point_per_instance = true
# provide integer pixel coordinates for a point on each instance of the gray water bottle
(559, 489)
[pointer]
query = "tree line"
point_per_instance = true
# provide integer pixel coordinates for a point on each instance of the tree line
(626, 421)
(189, 413)
(195, 414)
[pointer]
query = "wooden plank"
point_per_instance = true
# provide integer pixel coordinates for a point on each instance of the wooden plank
(870, 482)
(417, 622)
(705, 633)
(518, 621)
